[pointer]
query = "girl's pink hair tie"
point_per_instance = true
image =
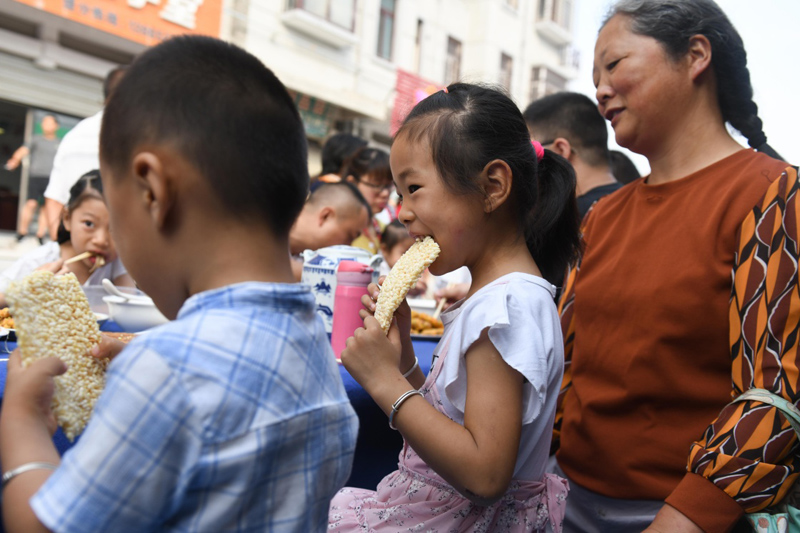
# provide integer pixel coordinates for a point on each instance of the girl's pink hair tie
(539, 149)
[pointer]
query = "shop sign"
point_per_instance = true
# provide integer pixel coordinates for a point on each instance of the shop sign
(144, 21)
(317, 114)
(409, 91)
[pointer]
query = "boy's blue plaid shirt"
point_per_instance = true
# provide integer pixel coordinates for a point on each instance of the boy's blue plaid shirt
(231, 418)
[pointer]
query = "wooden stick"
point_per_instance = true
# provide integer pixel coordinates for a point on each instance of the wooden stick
(442, 301)
(79, 257)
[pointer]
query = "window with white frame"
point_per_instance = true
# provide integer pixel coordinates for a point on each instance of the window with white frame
(452, 68)
(339, 12)
(506, 70)
(558, 11)
(418, 46)
(544, 82)
(386, 29)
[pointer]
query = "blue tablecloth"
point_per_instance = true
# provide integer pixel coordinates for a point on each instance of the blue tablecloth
(377, 448)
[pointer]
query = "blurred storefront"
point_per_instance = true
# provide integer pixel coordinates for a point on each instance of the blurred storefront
(55, 54)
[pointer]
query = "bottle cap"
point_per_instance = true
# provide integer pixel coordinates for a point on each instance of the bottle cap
(353, 266)
(353, 273)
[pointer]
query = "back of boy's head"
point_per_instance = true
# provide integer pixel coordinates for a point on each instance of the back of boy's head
(226, 114)
(467, 126)
(345, 197)
(622, 167)
(337, 149)
(368, 162)
(574, 117)
(88, 186)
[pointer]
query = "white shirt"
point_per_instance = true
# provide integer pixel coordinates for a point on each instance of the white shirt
(47, 253)
(78, 153)
(523, 324)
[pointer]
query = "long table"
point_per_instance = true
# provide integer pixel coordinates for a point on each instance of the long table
(377, 447)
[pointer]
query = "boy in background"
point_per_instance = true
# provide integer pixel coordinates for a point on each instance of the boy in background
(335, 213)
(570, 125)
(232, 417)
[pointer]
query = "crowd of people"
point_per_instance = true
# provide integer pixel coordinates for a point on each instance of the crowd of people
(598, 362)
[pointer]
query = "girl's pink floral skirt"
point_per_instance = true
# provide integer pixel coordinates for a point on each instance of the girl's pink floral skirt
(408, 501)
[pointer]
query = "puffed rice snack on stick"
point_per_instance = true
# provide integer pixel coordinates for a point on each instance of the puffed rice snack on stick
(53, 318)
(403, 277)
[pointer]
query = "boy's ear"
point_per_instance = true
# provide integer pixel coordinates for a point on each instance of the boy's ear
(562, 147)
(156, 190)
(497, 179)
(325, 214)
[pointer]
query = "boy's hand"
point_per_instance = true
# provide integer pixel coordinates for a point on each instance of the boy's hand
(371, 356)
(108, 348)
(29, 391)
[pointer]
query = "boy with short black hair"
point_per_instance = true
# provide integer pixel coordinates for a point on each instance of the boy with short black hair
(335, 213)
(570, 125)
(232, 417)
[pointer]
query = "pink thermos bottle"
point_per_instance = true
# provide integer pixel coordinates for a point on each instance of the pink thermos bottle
(352, 279)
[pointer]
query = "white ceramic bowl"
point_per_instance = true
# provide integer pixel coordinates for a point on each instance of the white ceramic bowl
(422, 305)
(96, 293)
(134, 315)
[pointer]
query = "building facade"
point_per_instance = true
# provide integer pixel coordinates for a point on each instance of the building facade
(351, 65)
(359, 65)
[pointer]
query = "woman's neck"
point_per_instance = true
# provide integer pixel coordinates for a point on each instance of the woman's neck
(701, 140)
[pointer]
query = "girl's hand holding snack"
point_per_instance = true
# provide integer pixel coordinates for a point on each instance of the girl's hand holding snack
(402, 317)
(372, 357)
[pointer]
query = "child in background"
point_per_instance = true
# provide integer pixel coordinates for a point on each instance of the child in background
(220, 420)
(395, 241)
(477, 431)
(84, 228)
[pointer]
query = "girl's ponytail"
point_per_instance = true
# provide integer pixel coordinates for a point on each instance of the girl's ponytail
(552, 229)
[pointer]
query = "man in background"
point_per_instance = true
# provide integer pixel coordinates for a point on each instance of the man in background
(78, 153)
(42, 150)
(570, 125)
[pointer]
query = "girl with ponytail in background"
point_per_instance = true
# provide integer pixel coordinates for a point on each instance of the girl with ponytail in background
(686, 295)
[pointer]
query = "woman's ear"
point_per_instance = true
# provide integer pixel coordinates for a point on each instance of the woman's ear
(497, 179)
(155, 190)
(699, 55)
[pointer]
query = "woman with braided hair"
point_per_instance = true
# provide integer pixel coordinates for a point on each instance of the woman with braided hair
(687, 293)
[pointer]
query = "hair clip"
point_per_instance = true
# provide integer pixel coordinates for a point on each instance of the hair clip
(445, 90)
(538, 148)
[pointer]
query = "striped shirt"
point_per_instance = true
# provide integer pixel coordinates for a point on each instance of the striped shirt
(231, 418)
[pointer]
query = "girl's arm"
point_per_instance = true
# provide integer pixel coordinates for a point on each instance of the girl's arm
(478, 458)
